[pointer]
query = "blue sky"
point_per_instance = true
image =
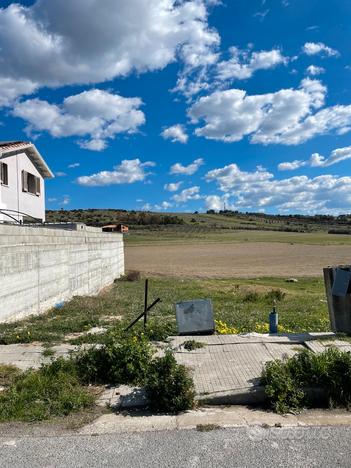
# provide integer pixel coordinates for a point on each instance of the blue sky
(183, 105)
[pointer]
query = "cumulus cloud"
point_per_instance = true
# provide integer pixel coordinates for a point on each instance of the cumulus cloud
(259, 190)
(214, 202)
(165, 205)
(217, 73)
(243, 64)
(313, 70)
(128, 172)
(175, 133)
(44, 44)
(287, 116)
(96, 114)
(317, 160)
(173, 186)
(178, 168)
(318, 48)
(185, 195)
(73, 165)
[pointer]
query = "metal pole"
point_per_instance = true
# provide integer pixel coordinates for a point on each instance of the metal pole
(145, 301)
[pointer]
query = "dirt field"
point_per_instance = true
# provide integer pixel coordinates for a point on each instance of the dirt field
(246, 260)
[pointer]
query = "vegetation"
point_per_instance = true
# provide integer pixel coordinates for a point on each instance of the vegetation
(240, 305)
(8, 373)
(309, 379)
(53, 390)
(191, 345)
(169, 385)
(225, 226)
(122, 360)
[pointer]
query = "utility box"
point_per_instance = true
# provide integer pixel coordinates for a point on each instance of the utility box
(195, 317)
(338, 289)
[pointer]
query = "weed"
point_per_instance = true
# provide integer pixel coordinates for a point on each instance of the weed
(191, 345)
(131, 276)
(53, 390)
(169, 385)
(7, 374)
(121, 360)
(309, 379)
(48, 352)
(207, 427)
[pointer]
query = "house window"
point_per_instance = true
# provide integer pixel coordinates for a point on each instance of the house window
(4, 175)
(30, 183)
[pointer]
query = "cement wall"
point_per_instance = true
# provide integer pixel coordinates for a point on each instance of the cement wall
(41, 267)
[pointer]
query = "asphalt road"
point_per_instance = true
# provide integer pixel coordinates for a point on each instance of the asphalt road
(238, 447)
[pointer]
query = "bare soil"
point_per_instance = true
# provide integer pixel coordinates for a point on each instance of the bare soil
(246, 260)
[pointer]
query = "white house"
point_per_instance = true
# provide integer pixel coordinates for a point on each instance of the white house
(22, 174)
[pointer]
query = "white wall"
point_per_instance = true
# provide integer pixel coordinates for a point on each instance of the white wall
(42, 267)
(12, 197)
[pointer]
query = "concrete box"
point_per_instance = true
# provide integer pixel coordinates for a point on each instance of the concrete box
(195, 317)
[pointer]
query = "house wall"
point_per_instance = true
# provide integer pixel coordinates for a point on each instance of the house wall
(12, 197)
(40, 268)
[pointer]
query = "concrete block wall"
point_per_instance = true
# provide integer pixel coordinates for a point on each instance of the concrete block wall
(42, 267)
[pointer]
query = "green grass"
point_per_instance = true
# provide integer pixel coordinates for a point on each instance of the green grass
(241, 304)
(36, 395)
(7, 374)
(188, 235)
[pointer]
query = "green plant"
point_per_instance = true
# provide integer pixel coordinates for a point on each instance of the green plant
(8, 373)
(281, 389)
(121, 360)
(275, 295)
(169, 385)
(309, 379)
(53, 390)
(191, 345)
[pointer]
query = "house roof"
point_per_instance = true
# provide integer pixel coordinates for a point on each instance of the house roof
(9, 148)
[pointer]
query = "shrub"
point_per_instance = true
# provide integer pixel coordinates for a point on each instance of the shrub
(131, 276)
(275, 295)
(122, 360)
(169, 385)
(53, 390)
(309, 379)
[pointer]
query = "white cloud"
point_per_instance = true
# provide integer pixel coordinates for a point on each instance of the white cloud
(318, 48)
(11, 89)
(73, 165)
(175, 133)
(59, 42)
(165, 205)
(243, 64)
(66, 200)
(215, 74)
(259, 190)
(317, 160)
(185, 195)
(178, 168)
(214, 202)
(96, 114)
(286, 117)
(313, 70)
(60, 174)
(173, 186)
(128, 172)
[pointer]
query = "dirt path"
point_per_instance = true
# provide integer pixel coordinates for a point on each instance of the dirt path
(247, 260)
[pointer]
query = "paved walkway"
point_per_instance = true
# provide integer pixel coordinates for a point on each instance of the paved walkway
(226, 370)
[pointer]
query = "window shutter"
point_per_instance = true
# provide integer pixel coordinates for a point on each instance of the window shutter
(25, 181)
(1, 173)
(37, 186)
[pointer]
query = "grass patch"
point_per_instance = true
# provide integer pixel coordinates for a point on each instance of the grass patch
(36, 395)
(191, 345)
(309, 379)
(243, 305)
(207, 427)
(8, 373)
